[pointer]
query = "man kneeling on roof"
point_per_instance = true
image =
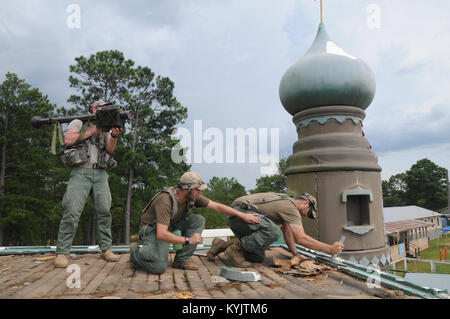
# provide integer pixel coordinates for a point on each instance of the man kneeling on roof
(275, 210)
(168, 211)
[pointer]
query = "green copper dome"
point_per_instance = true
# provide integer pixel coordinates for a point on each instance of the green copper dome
(325, 76)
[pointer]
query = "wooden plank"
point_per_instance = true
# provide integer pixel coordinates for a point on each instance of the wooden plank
(18, 267)
(127, 276)
(152, 282)
(27, 280)
(248, 292)
(166, 279)
(28, 275)
(48, 282)
(216, 293)
(179, 277)
(203, 273)
(112, 279)
(96, 265)
(98, 278)
(138, 283)
(43, 284)
(310, 291)
(208, 269)
(196, 284)
(14, 265)
(84, 262)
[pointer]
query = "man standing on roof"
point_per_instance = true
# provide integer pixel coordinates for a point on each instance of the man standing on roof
(275, 210)
(169, 210)
(90, 150)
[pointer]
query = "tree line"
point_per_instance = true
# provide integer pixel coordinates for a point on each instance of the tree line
(425, 185)
(33, 181)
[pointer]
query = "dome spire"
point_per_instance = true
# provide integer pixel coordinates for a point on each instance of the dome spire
(326, 75)
(321, 12)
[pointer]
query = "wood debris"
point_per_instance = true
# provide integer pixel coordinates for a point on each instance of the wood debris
(45, 258)
(300, 266)
(185, 295)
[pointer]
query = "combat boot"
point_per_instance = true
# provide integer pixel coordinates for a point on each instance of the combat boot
(218, 246)
(235, 255)
(188, 265)
(61, 261)
(109, 256)
(132, 246)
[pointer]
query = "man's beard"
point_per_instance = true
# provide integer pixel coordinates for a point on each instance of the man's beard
(191, 196)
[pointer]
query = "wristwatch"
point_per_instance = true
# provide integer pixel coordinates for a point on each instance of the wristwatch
(187, 240)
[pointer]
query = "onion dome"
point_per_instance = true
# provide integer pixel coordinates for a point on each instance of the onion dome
(326, 75)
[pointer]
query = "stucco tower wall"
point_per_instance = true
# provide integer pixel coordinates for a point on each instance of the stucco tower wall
(328, 188)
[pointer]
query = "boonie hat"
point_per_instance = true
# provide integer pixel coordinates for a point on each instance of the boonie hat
(313, 210)
(99, 103)
(192, 180)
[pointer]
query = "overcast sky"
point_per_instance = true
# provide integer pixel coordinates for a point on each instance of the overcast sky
(227, 58)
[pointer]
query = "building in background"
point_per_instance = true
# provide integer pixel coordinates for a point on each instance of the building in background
(409, 230)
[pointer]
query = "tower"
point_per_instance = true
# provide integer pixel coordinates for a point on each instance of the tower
(326, 92)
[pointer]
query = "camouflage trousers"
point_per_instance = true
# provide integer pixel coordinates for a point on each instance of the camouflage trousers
(81, 182)
(153, 256)
(255, 238)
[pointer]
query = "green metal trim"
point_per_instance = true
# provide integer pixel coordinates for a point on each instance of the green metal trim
(324, 118)
(367, 273)
(32, 250)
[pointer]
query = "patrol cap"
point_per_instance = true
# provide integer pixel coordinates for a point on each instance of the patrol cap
(312, 204)
(192, 180)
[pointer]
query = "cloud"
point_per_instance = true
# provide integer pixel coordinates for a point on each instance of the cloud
(227, 59)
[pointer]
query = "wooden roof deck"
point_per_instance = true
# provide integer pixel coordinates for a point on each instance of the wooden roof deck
(25, 277)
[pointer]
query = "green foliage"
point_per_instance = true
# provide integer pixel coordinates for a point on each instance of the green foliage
(424, 185)
(103, 75)
(222, 190)
(272, 183)
(144, 149)
(28, 179)
(394, 190)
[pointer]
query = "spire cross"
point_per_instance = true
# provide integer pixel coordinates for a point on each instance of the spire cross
(321, 12)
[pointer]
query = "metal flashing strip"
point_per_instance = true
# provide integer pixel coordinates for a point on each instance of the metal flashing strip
(372, 275)
(32, 250)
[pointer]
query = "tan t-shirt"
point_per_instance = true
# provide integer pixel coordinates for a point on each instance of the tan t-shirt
(281, 211)
(160, 210)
